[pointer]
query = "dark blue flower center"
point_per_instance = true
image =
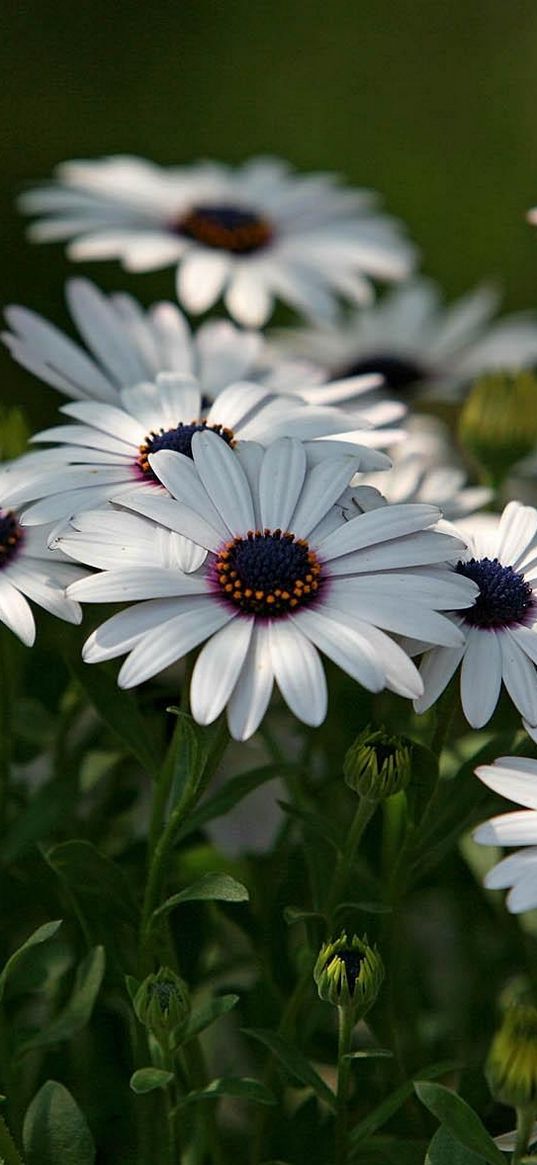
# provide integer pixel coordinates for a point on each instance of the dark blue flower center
(399, 372)
(504, 595)
(226, 228)
(352, 960)
(268, 573)
(10, 536)
(178, 439)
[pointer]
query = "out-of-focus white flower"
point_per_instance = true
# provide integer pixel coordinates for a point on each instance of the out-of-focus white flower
(254, 233)
(417, 344)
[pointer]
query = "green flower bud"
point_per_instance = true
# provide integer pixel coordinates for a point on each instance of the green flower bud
(162, 1002)
(377, 764)
(498, 422)
(511, 1067)
(349, 973)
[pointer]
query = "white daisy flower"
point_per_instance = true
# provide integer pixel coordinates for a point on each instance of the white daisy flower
(514, 777)
(500, 626)
(416, 343)
(126, 344)
(424, 469)
(285, 575)
(109, 448)
(252, 233)
(30, 570)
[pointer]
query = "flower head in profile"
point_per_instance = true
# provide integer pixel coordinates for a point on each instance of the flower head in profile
(286, 576)
(418, 345)
(500, 626)
(29, 570)
(109, 449)
(254, 233)
(513, 777)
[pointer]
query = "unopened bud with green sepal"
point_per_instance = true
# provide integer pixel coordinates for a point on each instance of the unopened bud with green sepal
(349, 973)
(378, 764)
(511, 1067)
(498, 421)
(162, 1002)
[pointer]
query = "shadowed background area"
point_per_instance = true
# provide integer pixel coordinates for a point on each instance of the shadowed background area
(431, 104)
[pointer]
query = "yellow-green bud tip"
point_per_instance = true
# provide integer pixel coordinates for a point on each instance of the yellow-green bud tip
(349, 973)
(511, 1067)
(377, 765)
(498, 422)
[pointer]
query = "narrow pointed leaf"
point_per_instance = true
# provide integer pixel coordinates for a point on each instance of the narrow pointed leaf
(298, 1067)
(445, 1150)
(39, 936)
(386, 1109)
(242, 1087)
(78, 1009)
(211, 887)
(203, 1016)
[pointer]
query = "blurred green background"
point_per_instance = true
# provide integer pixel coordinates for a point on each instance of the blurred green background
(432, 103)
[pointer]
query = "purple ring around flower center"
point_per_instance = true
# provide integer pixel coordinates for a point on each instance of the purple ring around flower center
(268, 573)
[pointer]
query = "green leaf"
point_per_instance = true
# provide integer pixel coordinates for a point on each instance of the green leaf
(366, 907)
(386, 1109)
(38, 820)
(92, 875)
(230, 795)
(211, 887)
(186, 758)
(461, 1121)
(119, 711)
(132, 986)
(203, 1016)
(445, 1150)
(77, 1011)
(294, 914)
(295, 1063)
(55, 1130)
(231, 1086)
(147, 1079)
(39, 936)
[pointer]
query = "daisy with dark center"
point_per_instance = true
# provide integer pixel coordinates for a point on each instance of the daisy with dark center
(109, 449)
(285, 577)
(420, 346)
(500, 626)
(253, 234)
(29, 570)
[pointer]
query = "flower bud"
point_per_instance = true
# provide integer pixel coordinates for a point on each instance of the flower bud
(162, 1002)
(511, 1067)
(498, 422)
(349, 973)
(377, 764)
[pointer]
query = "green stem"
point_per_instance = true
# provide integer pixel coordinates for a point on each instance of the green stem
(160, 856)
(525, 1118)
(7, 684)
(361, 819)
(9, 1154)
(345, 1022)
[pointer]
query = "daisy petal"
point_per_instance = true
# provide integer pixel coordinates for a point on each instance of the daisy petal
(251, 694)
(298, 672)
(217, 669)
(481, 676)
(280, 482)
(171, 641)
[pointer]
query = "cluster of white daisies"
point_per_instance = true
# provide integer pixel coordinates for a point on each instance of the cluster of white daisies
(267, 497)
